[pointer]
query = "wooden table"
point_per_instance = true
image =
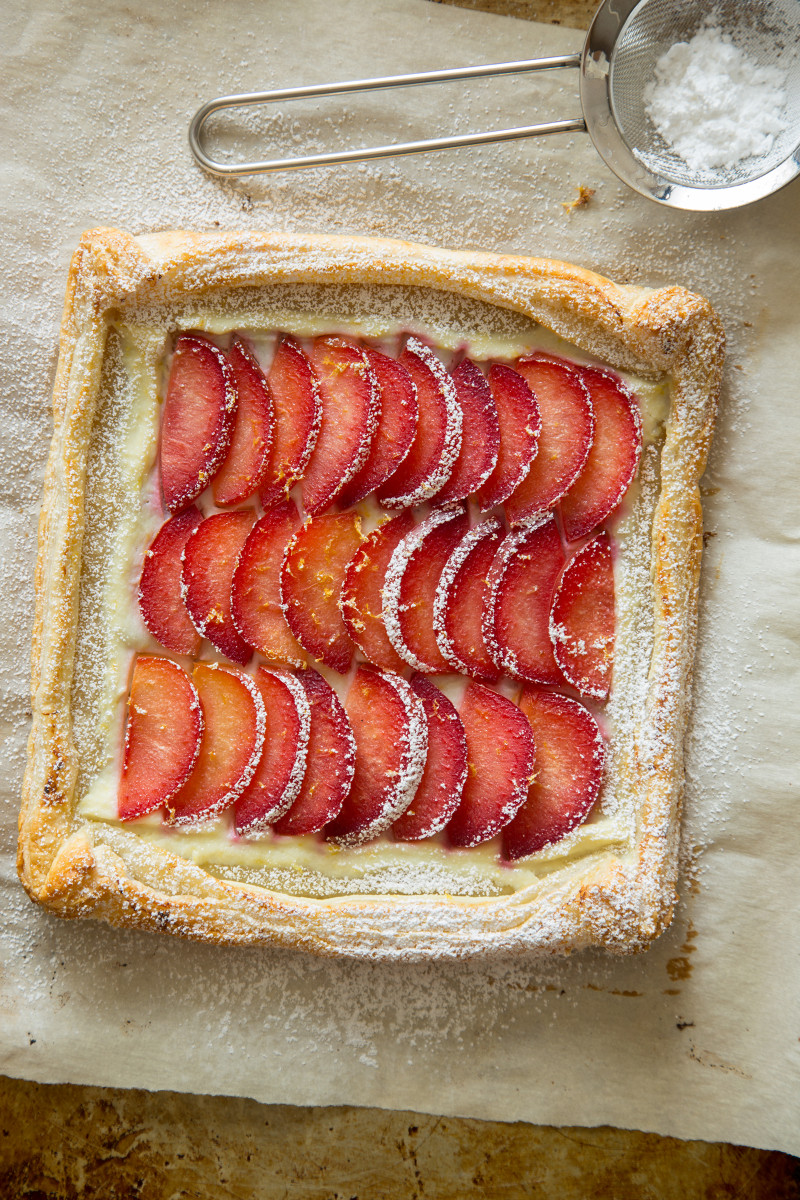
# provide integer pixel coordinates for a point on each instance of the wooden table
(68, 1142)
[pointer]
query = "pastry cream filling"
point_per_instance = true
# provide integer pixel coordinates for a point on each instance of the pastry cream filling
(124, 512)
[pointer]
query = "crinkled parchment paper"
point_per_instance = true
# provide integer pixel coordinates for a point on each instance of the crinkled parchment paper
(697, 1038)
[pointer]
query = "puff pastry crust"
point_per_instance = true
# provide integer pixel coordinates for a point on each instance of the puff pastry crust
(620, 899)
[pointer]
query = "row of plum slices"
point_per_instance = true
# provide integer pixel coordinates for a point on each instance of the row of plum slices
(345, 421)
(348, 422)
(281, 751)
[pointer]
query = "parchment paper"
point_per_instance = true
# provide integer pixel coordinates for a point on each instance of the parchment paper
(699, 1037)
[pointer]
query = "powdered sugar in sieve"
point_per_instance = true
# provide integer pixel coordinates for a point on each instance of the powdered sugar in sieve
(689, 101)
(707, 96)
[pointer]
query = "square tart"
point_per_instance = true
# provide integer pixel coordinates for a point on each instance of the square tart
(609, 882)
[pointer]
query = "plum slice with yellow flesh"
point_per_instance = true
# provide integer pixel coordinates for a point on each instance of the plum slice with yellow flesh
(162, 738)
(330, 761)
(442, 784)
(564, 441)
(198, 418)
(570, 757)
(311, 583)
(230, 748)
(279, 775)
(256, 587)
(500, 762)
(582, 619)
(391, 735)
(362, 592)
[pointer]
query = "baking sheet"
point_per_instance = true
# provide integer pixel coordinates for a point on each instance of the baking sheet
(699, 1037)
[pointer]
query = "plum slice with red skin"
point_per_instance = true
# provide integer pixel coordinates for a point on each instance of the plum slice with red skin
(442, 784)
(160, 600)
(582, 619)
(350, 410)
(613, 458)
(362, 592)
(198, 419)
(396, 427)
(410, 586)
(256, 587)
(330, 761)
(247, 460)
(480, 434)
(460, 602)
(500, 762)
(520, 588)
(519, 426)
(162, 739)
(209, 560)
(564, 441)
(391, 734)
(231, 745)
(297, 410)
(311, 583)
(279, 775)
(437, 441)
(570, 758)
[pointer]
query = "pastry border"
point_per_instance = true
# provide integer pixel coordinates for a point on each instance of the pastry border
(619, 903)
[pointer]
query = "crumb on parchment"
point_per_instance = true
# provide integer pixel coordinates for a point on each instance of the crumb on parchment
(581, 200)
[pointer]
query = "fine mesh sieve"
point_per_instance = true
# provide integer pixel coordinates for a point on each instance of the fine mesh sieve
(624, 43)
(767, 32)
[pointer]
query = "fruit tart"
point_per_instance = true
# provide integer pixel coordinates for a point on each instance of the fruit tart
(367, 594)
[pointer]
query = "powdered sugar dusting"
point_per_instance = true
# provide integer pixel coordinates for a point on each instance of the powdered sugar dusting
(373, 420)
(304, 714)
(455, 418)
(416, 751)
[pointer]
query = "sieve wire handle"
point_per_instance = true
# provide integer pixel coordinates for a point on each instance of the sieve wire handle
(369, 85)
